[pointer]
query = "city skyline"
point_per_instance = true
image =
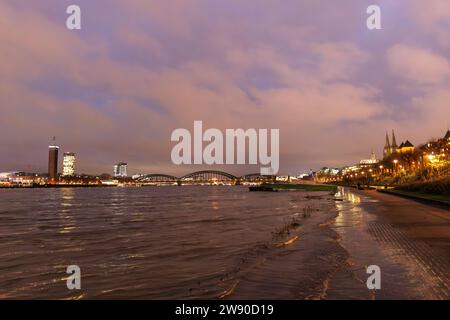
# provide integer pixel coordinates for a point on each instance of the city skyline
(225, 158)
(120, 169)
(115, 90)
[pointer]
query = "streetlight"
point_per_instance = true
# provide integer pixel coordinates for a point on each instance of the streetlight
(395, 165)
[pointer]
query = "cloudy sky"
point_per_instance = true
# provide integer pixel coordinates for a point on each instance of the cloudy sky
(138, 69)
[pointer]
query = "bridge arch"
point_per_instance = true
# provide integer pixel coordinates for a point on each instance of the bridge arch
(204, 176)
(158, 177)
(208, 175)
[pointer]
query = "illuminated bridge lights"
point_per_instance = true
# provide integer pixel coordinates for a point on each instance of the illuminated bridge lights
(205, 176)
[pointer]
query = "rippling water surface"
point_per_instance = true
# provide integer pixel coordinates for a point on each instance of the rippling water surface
(166, 243)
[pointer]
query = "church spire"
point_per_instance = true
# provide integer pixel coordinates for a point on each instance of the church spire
(387, 147)
(387, 144)
(447, 135)
(394, 142)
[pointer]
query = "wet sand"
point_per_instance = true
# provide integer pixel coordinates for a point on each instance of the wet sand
(409, 241)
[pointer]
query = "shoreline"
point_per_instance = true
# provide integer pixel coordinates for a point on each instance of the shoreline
(56, 186)
(409, 241)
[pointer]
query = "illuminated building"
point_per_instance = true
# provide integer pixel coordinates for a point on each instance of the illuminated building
(372, 160)
(406, 147)
(69, 164)
(53, 161)
(390, 147)
(7, 175)
(120, 170)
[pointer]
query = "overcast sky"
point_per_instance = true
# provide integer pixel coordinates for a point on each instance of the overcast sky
(139, 69)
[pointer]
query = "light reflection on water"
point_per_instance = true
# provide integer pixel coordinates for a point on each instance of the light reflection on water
(349, 205)
(67, 221)
(408, 267)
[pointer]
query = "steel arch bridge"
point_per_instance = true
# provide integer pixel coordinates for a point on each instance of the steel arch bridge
(158, 178)
(203, 177)
(209, 176)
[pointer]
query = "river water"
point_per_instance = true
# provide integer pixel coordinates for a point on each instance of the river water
(166, 243)
(204, 242)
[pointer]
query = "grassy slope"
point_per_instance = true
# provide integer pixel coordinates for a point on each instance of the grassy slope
(421, 195)
(306, 187)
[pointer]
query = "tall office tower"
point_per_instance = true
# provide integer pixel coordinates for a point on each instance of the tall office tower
(120, 170)
(53, 161)
(69, 164)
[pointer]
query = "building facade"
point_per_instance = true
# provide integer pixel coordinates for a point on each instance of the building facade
(391, 148)
(69, 164)
(120, 170)
(406, 147)
(373, 159)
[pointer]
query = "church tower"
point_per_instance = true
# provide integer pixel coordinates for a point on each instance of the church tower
(387, 147)
(447, 136)
(393, 144)
(373, 157)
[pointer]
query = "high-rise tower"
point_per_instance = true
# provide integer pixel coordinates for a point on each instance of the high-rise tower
(120, 170)
(53, 161)
(68, 164)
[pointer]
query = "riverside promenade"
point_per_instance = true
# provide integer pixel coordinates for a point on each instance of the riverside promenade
(408, 240)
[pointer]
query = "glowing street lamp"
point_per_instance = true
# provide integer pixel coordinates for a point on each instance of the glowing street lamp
(381, 170)
(395, 165)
